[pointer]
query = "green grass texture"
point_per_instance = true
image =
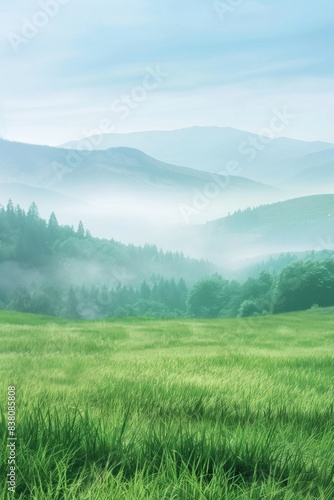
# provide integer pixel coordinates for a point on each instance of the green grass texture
(170, 409)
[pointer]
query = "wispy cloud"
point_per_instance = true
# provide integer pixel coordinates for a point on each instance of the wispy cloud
(87, 55)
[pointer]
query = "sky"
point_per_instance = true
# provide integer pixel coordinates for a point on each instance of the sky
(72, 68)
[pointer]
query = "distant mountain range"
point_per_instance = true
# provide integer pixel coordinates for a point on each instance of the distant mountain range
(322, 176)
(314, 170)
(125, 193)
(44, 166)
(120, 191)
(214, 148)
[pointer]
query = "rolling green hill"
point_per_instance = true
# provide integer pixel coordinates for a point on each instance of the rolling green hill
(299, 224)
(307, 210)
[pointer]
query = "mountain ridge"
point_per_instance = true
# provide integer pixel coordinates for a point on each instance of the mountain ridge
(213, 148)
(39, 157)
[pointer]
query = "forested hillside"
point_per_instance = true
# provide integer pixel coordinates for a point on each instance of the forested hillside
(297, 225)
(299, 213)
(34, 252)
(61, 271)
(27, 239)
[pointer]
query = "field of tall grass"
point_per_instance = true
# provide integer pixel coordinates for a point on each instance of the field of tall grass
(170, 409)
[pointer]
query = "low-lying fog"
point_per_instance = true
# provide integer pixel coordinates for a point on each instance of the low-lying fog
(172, 222)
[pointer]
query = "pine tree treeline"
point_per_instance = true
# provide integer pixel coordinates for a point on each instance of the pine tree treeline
(298, 286)
(47, 247)
(41, 247)
(37, 246)
(163, 298)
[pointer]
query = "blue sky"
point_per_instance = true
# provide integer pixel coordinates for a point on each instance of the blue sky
(225, 63)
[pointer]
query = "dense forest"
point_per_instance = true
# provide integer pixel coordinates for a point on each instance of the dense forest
(33, 253)
(299, 286)
(34, 250)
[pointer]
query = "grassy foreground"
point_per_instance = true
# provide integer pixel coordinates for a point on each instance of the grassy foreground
(179, 409)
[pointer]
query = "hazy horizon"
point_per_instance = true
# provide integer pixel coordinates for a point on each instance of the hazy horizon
(140, 66)
(129, 132)
(226, 69)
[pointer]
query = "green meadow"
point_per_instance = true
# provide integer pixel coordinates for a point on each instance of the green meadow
(170, 409)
